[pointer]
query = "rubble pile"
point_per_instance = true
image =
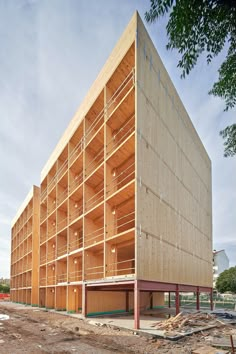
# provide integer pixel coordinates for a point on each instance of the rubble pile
(183, 320)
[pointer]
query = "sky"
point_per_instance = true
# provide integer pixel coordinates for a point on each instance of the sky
(51, 52)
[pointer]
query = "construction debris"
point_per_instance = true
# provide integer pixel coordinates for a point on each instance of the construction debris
(187, 320)
(223, 314)
(209, 350)
(223, 341)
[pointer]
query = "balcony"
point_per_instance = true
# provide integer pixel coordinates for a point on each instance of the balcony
(94, 119)
(120, 257)
(75, 236)
(51, 277)
(29, 279)
(62, 217)
(75, 268)
(94, 189)
(29, 212)
(43, 211)
(62, 164)
(94, 227)
(51, 203)
(76, 205)
(62, 190)
(43, 190)
(43, 232)
(51, 250)
(76, 145)
(119, 176)
(51, 179)
(51, 226)
(43, 254)
(42, 276)
(76, 174)
(94, 154)
(122, 81)
(62, 271)
(94, 263)
(29, 244)
(62, 244)
(43, 194)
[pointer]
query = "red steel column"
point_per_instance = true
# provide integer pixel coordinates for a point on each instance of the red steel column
(177, 300)
(151, 300)
(197, 299)
(84, 300)
(136, 305)
(169, 302)
(211, 299)
(127, 301)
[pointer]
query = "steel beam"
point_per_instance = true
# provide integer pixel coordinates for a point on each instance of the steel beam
(136, 305)
(211, 299)
(177, 300)
(127, 301)
(197, 299)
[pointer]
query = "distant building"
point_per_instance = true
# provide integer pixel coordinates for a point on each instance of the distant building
(220, 263)
(5, 281)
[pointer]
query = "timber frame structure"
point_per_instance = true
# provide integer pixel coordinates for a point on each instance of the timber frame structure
(125, 202)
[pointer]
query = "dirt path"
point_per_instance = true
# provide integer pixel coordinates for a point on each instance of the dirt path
(37, 331)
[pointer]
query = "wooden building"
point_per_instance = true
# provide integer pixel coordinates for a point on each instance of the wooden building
(24, 281)
(125, 203)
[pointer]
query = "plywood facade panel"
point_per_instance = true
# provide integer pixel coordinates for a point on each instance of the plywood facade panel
(99, 301)
(174, 193)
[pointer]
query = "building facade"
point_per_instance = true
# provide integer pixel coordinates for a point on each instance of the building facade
(25, 251)
(125, 203)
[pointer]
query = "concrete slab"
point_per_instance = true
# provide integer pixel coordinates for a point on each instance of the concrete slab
(146, 326)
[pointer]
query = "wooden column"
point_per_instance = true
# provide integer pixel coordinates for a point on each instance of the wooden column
(197, 299)
(76, 299)
(177, 300)
(84, 300)
(136, 305)
(169, 302)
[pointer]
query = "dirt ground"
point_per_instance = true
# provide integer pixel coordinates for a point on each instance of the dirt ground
(37, 331)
